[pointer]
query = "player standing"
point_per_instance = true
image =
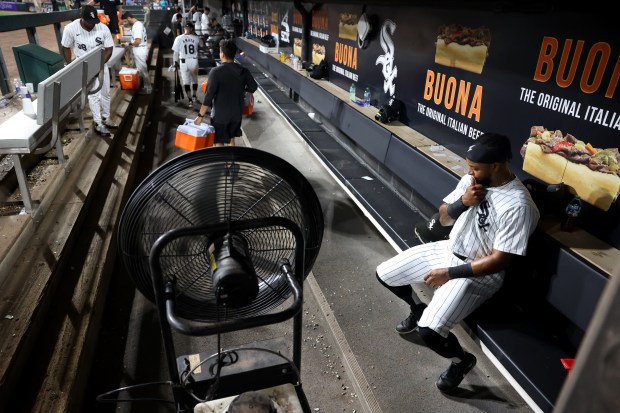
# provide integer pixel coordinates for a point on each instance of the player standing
(197, 19)
(185, 49)
(82, 36)
(226, 89)
(140, 48)
(493, 216)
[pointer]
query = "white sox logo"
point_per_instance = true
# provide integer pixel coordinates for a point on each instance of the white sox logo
(483, 215)
(284, 33)
(390, 70)
(82, 46)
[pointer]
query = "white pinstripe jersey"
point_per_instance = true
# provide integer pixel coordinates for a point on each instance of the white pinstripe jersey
(503, 221)
(204, 22)
(186, 45)
(197, 18)
(138, 32)
(83, 41)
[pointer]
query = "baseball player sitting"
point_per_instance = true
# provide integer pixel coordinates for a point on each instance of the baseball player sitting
(493, 216)
(185, 49)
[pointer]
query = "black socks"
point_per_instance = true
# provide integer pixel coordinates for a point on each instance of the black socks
(404, 292)
(448, 347)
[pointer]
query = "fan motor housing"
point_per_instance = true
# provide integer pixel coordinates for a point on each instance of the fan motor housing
(234, 278)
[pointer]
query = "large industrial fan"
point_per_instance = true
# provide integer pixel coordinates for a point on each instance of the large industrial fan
(221, 240)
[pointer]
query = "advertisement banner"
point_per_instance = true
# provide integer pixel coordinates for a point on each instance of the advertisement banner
(460, 73)
(5, 5)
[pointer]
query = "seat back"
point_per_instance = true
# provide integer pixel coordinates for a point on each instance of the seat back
(71, 83)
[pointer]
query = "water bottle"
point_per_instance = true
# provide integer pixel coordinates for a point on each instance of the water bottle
(367, 97)
(352, 91)
(572, 212)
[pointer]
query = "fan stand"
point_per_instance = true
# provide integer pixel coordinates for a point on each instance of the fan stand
(164, 293)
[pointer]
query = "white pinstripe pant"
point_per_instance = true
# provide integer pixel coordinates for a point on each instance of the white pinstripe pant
(140, 54)
(100, 102)
(189, 71)
(451, 302)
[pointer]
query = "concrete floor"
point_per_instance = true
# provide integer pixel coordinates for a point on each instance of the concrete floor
(352, 358)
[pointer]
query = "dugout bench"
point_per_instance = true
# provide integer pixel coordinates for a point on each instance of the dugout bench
(63, 92)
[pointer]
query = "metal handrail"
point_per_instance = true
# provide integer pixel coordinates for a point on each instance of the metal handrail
(12, 22)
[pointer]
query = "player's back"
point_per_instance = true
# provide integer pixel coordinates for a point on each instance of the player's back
(186, 45)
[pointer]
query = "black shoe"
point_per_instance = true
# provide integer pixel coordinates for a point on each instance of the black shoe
(101, 129)
(451, 378)
(108, 123)
(408, 325)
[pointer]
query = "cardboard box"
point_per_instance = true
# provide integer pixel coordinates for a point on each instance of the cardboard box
(130, 78)
(191, 137)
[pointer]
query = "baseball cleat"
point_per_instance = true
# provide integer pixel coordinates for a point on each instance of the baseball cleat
(110, 124)
(410, 323)
(102, 130)
(450, 379)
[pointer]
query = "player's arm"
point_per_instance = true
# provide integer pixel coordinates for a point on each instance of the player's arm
(491, 264)
(202, 112)
(444, 218)
(212, 87)
(250, 82)
(473, 195)
(137, 40)
(107, 54)
(66, 52)
(108, 44)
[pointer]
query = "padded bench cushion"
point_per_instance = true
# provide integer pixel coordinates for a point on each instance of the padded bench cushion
(20, 134)
(531, 353)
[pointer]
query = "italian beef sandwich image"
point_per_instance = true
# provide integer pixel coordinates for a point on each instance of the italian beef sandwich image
(554, 157)
(297, 47)
(347, 26)
(463, 47)
(318, 53)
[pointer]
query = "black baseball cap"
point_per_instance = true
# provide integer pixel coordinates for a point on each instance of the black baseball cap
(490, 148)
(89, 14)
(431, 230)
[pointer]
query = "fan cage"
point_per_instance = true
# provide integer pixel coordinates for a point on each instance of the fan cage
(214, 186)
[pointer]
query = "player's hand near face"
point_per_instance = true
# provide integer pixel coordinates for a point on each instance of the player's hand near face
(437, 277)
(474, 194)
